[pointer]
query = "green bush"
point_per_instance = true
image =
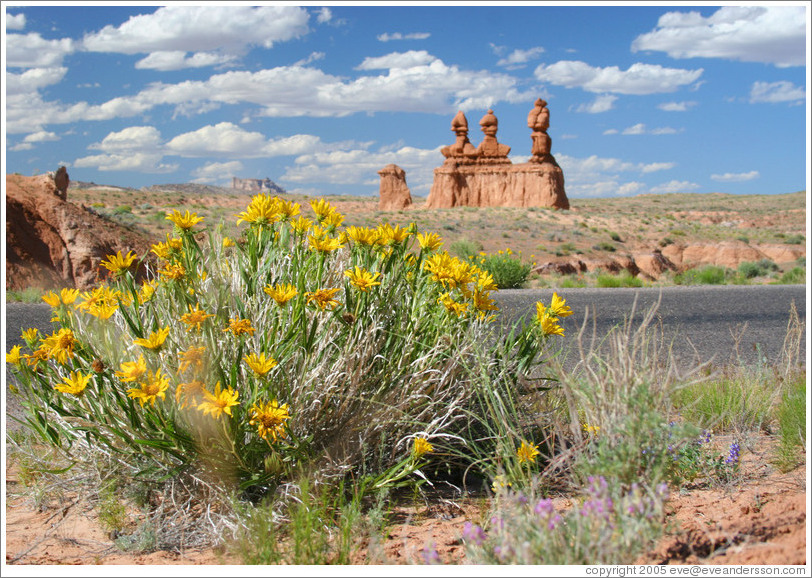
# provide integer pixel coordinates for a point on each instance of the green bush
(795, 239)
(465, 248)
(753, 269)
(795, 276)
(707, 275)
(507, 269)
(122, 209)
(791, 415)
(604, 246)
(625, 279)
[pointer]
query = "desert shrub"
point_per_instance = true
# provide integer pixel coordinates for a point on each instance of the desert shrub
(626, 279)
(797, 239)
(664, 242)
(791, 416)
(122, 209)
(297, 347)
(795, 276)
(752, 269)
(604, 246)
(465, 248)
(27, 295)
(707, 275)
(507, 269)
(97, 205)
(615, 236)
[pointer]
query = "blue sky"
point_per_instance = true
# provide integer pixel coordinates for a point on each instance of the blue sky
(643, 98)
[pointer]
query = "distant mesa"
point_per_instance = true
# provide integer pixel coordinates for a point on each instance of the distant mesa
(265, 185)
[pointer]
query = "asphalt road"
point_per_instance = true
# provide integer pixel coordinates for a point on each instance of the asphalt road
(717, 324)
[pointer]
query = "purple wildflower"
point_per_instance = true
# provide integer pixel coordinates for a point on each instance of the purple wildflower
(430, 555)
(733, 455)
(474, 534)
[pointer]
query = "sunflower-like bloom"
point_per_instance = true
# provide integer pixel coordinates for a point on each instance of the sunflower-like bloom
(191, 357)
(429, 241)
(333, 221)
(189, 393)
(527, 453)
(219, 402)
(421, 447)
(227, 242)
(146, 291)
(155, 340)
(59, 345)
(390, 235)
(262, 210)
(322, 208)
(301, 225)
(152, 388)
(281, 293)
(485, 281)
(324, 244)
(549, 324)
(323, 298)
(185, 221)
(239, 327)
(482, 301)
(118, 264)
(172, 271)
(30, 335)
(39, 354)
(66, 297)
(75, 384)
(14, 356)
(449, 271)
(270, 419)
(364, 280)
(260, 364)
(195, 318)
(559, 307)
(165, 250)
(102, 302)
(452, 306)
(287, 210)
(362, 236)
(132, 370)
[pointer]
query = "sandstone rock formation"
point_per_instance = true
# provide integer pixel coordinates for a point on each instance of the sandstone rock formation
(394, 193)
(485, 177)
(256, 185)
(648, 265)
(52, 243)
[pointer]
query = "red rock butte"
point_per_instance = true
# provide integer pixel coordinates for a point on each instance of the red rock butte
(484, 176)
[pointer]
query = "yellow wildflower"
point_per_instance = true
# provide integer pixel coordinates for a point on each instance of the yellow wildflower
(75, 384)
(485, 281)
(421, 447)
(364, 280)
(185, 221)
(132, 370)
(482, 301)
(270, 419)
(390, 235)
(323, 298)
(148, 391)
(322, 208)
(301, 225)
(500, 483)
(165, 250)
(146, 291)
(59, 345)
(227, 242)
(559, 307)
(30, 335)
(172, 271)
(259, 363)
(118, 264)
(429, 241)
(189, 393)
(333, 220)
(100, 302)
(239, 327)
(40, 354)
(14, 356)
(155, 340)
(362, 235)
(219, 402)
(66, 297)
(262, 210)
(452, 306)
(549, 324)
(195, 318)
(592, 430)
(287, 210)
(324, 244)
(192, 356)
(527, 453)
(281, 293)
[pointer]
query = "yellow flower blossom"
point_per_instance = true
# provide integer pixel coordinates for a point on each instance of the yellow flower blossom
(75, 384)
(324, 244)
(429, 241)
(362, 235)
(192, 356)
(322, 208)
(260, 364)
(146, 291)
(30, 335)
(227, 242)
(219, 402)
(14, 356)
(421, 447)
(390, 235)
(452, 306)
(485, 281)
(239, 327)
(592, 430)
(527, 453)
(559, 307)
(185, 221)
(333, 221)
(101, 302)
(281, 293)
(172, 271)
(301, 225)
(66, 297)
(118, 264)
(195, 318)
(287, 210)
(59, 345)
(32, 360)
(270, 418)
(499, 484)
(132, 370)
(262, 210)
(323, 298)
(549, 324)
(189, 393)
(152, 388)
(165, 250)
(364, 280)
(155, 340)
(482, 301)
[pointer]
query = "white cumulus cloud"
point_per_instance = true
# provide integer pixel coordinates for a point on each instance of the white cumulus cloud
(177, 59)
(674, 187)
(395, 60)
(735, 177)
(519, 57)
(638, 79)
(677, 106)
(602, 103)
(32, 50)
(388, 37)
(770, 34)
(15, 21)
(217, 172)
(773, 92)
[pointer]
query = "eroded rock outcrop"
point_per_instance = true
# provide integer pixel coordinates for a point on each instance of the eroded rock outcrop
(394, 193)
(52, 243)
(484, 176)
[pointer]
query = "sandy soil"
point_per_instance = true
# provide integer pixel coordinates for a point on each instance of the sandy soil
(758, 518)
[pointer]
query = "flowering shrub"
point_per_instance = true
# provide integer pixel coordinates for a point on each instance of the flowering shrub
(605, 525)
(508, 270)
(298, 344)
